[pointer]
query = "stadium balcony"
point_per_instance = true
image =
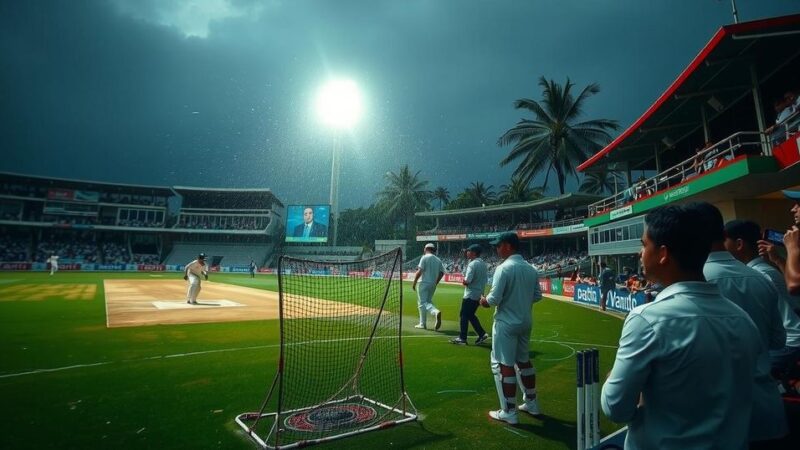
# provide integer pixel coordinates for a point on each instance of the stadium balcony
(708, 161)
(218, 221)
(675, 144)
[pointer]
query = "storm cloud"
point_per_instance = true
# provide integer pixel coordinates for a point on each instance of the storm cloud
(220, 92)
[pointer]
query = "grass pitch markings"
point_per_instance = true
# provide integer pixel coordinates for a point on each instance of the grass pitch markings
(254, 347)
(39, 292)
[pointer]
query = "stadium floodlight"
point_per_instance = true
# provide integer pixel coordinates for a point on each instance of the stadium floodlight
(339, 106)
(339, 103)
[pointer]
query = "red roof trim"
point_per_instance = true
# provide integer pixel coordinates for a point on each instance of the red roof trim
(709, 47)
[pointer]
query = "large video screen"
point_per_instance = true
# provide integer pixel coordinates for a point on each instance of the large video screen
(307, 223)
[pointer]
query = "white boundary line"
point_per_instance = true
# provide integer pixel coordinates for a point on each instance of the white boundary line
(515, 432)
(257, 347)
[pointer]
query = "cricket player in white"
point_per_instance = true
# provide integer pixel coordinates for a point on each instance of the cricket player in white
(53, 260)
(192, 273)
(430, 271)
(515, 288)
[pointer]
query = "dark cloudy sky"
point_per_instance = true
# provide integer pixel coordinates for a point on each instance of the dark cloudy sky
(220, 92)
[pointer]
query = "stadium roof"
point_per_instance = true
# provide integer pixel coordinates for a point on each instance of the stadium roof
(718, 77)
(566, 200)
(88, 185)
(208, 197)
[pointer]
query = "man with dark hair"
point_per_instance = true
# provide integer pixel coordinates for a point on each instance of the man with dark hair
(310, 228)
(749, 290)
(741, 240)
(682, 359)
(474, 283)
(607, 283)
(515, 288)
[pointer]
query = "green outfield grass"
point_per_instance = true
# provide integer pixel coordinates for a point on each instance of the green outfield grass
(180, 386)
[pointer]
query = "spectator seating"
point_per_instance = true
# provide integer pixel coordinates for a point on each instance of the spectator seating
(115, 253)
(14, 248)
(326, 253)
(70, 248)
(232, 254)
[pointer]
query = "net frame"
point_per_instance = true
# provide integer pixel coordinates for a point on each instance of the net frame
(402, 411)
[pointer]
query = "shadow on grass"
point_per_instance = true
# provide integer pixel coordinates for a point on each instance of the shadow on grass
(409, 435)
(548, 428)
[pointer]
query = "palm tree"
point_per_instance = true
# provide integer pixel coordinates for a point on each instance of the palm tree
(443, 195)
(481, 194)
(518, 191)
(404, 195)
(554, 140)
(601, 182)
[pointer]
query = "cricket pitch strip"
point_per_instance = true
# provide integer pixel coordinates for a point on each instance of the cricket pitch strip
(131, 303)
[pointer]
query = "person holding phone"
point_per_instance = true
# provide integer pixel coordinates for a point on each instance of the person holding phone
(741, 240)
(791, 240)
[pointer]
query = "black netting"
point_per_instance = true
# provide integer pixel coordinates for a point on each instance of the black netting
(340, 349)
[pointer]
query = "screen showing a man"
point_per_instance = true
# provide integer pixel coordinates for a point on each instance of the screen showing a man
(307, 224)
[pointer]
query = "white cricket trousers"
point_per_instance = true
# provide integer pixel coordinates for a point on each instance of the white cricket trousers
(425, 301)
(194, 288)
(53, 268)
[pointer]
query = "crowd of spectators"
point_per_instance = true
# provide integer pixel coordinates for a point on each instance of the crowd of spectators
(10, 216)
(115, 253)
(456, 262)
(79, 248)
(222, 222)
(22, 190)
(13, 249)
(499, 226)
(336, 251)
(129, 199)
(139, 223)
(146, 258)
(69, 220)
(557, 261)
(787, 117)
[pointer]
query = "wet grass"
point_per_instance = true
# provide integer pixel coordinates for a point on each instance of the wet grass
(130, 391)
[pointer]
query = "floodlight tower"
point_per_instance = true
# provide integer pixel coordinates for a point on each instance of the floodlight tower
(339, 106)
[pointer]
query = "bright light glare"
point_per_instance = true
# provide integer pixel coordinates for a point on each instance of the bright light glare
(339, 103)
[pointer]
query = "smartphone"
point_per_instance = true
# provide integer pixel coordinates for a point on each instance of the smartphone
(773, 236)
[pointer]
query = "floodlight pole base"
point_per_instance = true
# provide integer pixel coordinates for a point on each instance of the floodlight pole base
(334, 199)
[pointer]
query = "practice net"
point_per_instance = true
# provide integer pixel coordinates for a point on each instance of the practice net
(340, 368)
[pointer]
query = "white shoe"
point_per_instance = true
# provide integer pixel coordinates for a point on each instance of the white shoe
(481, 339)
(438, 321)
(503, 416)
(420, 326)
(531, 407)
